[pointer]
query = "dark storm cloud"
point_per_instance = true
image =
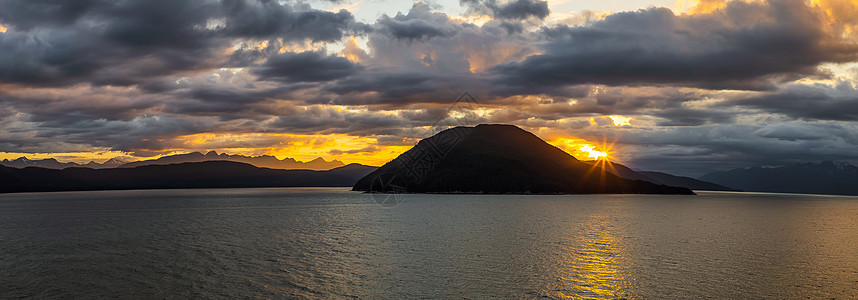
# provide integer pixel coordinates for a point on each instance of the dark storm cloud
(812, 102)
(426, 115)
(693, 117)
(225, 103)
(304, 67)
(72, 106)
(126, 42)
(327, 120)
(403, 87)
(103, 42)
(511, 10)
(142, 132)
(265, 19)
(743, 46)
(668, 103)
(420, 23)
(412, 30)
(808, 131)
(27, 14)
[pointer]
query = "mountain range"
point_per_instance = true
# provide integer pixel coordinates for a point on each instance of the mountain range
(210, 174)
(51, 163)
(264, 161)
(827, 177)
(497, 159)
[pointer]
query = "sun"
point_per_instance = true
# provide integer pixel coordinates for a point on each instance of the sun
(584, 149)
(591, 152)
(601, 163)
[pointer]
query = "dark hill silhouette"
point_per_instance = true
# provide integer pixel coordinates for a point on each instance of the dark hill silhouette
(835, 178)
(661, 178)
(212, 174)
(264, 161)
(496, 159)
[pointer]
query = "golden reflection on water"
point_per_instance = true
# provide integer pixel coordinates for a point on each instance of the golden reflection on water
(592, 268)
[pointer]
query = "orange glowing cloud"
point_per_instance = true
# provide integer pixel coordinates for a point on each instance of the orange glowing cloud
(707, 6)
(353, 51)
(841, 14)
(838, 15)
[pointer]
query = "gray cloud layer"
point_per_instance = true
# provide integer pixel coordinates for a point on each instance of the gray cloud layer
(126, 42)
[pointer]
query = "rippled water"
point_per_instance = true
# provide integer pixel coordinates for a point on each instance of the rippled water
(333, 243)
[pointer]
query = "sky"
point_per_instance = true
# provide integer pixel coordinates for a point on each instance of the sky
(685, 87)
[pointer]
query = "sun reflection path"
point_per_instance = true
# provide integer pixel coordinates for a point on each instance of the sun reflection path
(593, 268)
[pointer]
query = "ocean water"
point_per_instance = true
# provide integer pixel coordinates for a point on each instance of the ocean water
(334, 243)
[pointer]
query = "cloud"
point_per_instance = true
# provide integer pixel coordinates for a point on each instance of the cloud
(510, 10)
(806, 131)
(305, 66)
(401, 87)
(368, 149)
(28, 14)
(267, 19)
(427, 57)
(808, 101)
(751, 46)
(53, 43)
(693, 117)
(421, 23)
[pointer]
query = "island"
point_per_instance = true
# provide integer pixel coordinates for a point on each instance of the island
(497, 159)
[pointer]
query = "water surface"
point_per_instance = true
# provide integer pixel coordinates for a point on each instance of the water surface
(333, 243)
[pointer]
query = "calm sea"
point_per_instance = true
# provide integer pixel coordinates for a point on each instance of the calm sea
(333, 243)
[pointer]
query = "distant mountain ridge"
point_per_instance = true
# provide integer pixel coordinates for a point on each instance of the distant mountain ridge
(691, 183)
(663, 178)
(264, 161)
(497, 159)
(827, 177)
(51, 163)
(210, 174)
